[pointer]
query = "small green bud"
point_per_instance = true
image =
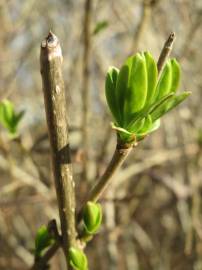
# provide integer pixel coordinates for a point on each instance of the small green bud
(9, 118)
(78, 259)
(42, 240)
(92, 217)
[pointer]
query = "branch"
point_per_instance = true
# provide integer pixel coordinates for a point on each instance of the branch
(165, 52)
(119, 156)
(56, 115)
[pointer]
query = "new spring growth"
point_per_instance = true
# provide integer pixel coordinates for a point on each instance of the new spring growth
(92, 217)
(136, 97)
(42, 240)
(9, 118)
(77, 259)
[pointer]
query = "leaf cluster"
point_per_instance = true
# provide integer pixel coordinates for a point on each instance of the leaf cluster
(136, 97)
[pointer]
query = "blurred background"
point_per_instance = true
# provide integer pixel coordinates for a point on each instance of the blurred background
(152, 211)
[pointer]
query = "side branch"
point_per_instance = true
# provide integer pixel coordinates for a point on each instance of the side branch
(56, 115)
(119, 156)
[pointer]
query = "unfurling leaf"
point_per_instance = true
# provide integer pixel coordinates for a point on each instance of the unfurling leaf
(169, 105)
(137, 99)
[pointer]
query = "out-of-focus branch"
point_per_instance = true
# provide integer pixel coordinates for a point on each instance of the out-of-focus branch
(147, 7)
(190, 35)
(155, 160)
(145, 17)
(85, 82)
(56, 115)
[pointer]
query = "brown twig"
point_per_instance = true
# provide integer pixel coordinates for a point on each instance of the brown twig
(56, 115)
(165, 52)
(120, 154)
(85, 83)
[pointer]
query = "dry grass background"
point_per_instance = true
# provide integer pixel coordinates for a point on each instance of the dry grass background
(152, 212)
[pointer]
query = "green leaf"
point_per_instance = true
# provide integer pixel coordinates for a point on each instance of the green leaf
(110, 92)
(42, 240)
(136, 125)
(169, 105)
(100, 26)
(164, 83)
(136, 91)
(78, 259)
(152, 128)
(92, 217)
(155, 126)
(121, 88)
(148, 110)
(152, 75)
(175, 75)
(147, 125)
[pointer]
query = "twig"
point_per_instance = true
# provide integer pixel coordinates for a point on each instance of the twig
(85, 83)
(56, 115)
(165, 52)
(120, 154)
(122, 151)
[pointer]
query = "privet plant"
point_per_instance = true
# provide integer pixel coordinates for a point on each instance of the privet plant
(138, 95)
